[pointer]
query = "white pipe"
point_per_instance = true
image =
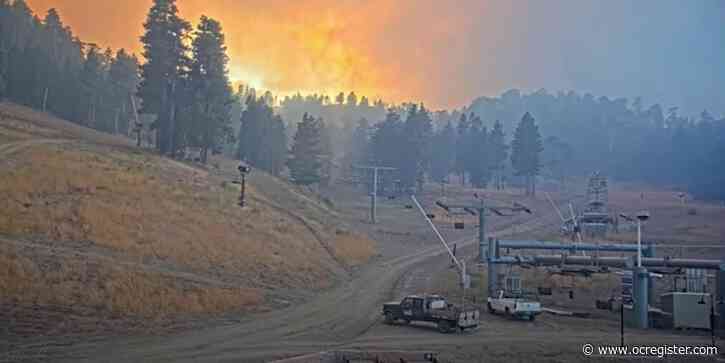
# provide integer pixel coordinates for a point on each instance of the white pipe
(555, 207)
(440, 237)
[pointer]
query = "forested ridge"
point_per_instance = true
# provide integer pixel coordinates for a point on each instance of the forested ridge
(182, 80)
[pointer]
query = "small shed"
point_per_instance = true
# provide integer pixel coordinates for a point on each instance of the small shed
(688, 309)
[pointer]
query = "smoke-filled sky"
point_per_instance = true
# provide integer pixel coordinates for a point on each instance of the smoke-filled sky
(446, 53)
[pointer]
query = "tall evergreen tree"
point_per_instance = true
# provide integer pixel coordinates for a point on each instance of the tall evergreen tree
(498, 154)
(326, 154)
(351, 99)
(444, 153)
(124, 74)
(385, 142)
(360, 151)
(415, 152)
(262, 136)
(477, 158)
(5, 19)
(209, 82)
(526, 147)
(306, 155)
(462, 147)
(165, 52)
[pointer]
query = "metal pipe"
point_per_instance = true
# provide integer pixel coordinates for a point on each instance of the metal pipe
(481, 232)
(440, 237)
(492, 268)
(622, 262)
(639, 243)
(566, 246)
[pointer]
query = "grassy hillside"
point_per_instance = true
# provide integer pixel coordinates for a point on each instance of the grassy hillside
(91, 222)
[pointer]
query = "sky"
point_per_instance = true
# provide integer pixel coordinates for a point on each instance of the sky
(447, 53)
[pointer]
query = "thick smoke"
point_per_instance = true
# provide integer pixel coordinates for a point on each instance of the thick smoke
(447, 53)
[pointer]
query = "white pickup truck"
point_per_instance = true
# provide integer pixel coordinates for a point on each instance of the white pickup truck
(516, 307)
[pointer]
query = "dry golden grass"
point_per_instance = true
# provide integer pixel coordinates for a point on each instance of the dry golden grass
(113, 289)
(44, 125)
(131, 204)
(670, 220)
(353, 248)
(136, 206)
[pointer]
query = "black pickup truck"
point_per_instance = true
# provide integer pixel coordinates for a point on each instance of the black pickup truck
(430, 308)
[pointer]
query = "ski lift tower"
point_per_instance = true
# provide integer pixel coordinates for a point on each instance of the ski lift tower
(374, 192)
(481, 208)
(595, 218)
(597, 191)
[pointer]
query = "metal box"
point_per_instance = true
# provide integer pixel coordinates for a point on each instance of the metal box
(688, 309)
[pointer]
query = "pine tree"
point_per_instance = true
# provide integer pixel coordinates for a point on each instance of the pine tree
(385, 142)
(462, 147)
(526, 147)
(498, 153)
(209, 82)
(92, 81)
(305, 161)
(351, 100)
(124, 74)
(473, 150)
(444, 153)
(262, 136)
(276, 145)
(165, 52)
(5, 22)
(415, 143)
(326, 155)
(360, 145)
(477, 160)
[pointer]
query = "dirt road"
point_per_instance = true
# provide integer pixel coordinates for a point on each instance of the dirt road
(348, 317)
(337, 318)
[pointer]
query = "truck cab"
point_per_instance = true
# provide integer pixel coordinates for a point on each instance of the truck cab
(419, 307)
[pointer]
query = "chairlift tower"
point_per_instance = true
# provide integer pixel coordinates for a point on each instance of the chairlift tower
(374, 193)
(480, 208)
(597, 193)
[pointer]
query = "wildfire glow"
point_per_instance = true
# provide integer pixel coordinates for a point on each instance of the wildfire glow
(394, 50)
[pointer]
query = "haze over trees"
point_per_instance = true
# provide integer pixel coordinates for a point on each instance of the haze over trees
(525, 149)
(262, 136)
(45, 66)
(182, 81)
(306, 157)
(622, 138)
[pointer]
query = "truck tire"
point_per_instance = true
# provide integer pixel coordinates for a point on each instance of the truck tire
(389, 318)
(532, 317)
(444, 326)
(490, 309)
(508, 312)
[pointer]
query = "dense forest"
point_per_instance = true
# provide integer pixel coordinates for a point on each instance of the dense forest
(182, 82)
(43, 65)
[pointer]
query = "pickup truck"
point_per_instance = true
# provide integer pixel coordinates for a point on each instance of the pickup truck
(512, 306)
(430, 308)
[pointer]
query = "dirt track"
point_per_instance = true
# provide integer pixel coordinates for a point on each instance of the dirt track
(349, 317)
